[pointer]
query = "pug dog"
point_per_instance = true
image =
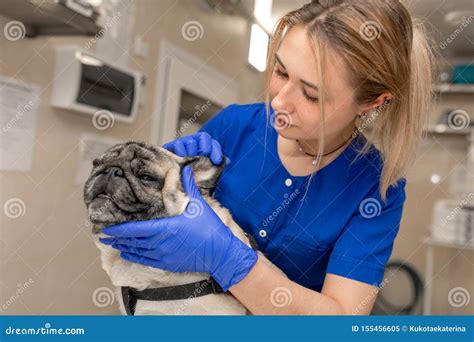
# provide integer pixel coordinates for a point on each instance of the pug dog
(135, 181)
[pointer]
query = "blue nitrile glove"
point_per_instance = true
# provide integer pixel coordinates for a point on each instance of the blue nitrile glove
(199, 144)
(195, 241)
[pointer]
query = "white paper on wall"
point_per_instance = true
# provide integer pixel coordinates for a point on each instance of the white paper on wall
(18, 110)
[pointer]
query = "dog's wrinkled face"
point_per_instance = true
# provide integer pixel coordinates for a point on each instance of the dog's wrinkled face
(134, 181)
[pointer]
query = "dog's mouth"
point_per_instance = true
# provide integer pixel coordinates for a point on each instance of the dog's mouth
(106, 210)
(103, 209)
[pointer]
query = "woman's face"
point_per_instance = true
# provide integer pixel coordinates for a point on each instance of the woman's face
(295, 90)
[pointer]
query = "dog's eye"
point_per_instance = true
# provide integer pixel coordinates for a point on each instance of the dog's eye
(146, 178)
(96, 162)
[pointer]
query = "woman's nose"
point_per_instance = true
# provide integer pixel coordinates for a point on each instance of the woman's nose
(282, 101)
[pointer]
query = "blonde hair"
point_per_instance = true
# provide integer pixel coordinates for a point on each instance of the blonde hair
(385, 51)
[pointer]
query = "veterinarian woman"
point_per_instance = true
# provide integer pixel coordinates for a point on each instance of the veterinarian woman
(323, 203)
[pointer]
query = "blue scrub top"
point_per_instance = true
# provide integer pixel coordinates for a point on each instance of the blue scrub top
(342, 226)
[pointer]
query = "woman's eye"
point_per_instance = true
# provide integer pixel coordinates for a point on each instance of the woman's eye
(309, 98)
(285, 75)
(281, 73)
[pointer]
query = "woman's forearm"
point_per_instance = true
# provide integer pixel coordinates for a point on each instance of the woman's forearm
(264, 291)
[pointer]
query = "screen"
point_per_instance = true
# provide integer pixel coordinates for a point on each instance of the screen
(106, 88)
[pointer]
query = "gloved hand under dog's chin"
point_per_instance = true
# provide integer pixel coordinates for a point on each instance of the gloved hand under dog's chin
(195, 241)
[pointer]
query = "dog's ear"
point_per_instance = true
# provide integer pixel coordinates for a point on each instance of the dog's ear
(206, 174)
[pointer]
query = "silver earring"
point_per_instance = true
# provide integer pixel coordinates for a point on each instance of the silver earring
(363, 116)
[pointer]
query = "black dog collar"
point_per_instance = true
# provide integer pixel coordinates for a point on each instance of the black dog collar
(200, 288)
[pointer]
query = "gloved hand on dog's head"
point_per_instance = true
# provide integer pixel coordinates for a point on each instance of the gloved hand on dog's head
(195, 241)
(199, 144)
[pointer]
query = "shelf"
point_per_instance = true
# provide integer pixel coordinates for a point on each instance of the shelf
(451, 88)
(446, 130)
(435, 242)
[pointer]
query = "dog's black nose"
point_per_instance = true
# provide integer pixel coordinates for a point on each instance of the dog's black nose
(114, 172)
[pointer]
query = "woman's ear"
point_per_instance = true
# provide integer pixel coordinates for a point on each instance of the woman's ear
(206, 174)
(379, 101)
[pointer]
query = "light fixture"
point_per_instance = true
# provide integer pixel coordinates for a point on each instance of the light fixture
(456, 18)
(258, 48)
(262, 12)
(94, 3)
